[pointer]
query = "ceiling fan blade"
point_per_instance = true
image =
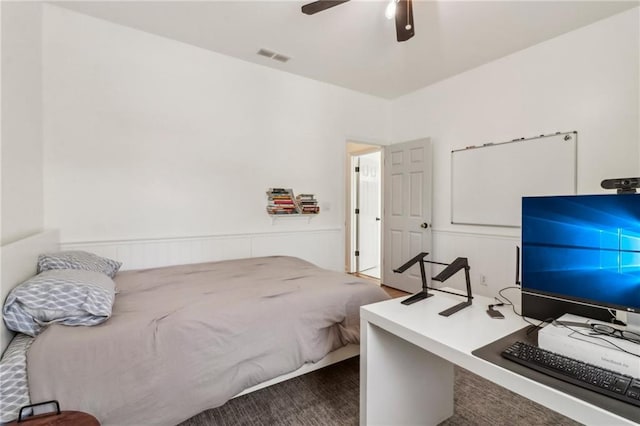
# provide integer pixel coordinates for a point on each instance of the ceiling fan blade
(320, 5)
(404, 20)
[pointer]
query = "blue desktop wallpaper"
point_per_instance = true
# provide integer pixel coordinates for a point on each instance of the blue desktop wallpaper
(583, 247)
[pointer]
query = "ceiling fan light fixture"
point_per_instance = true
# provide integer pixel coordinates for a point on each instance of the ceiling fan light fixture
(404, 20)
(399, 10)
(390, 11)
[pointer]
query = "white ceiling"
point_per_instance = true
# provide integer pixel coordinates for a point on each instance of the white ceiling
(353, 45)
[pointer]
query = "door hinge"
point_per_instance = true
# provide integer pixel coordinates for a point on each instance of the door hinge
(357, 252)
(357, 169)
(357, 211)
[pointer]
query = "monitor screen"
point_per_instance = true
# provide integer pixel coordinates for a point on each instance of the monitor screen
(584, 248)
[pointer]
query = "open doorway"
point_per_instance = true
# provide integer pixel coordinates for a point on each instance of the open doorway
(364, 209)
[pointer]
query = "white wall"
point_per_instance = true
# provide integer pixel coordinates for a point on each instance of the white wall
(585, 80)
(21, 133)
(146, 138)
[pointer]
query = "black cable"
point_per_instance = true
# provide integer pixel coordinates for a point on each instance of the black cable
(552, 320)
(498, 303)
(537, 326)
(615, 320)
(508, 302)
(595, 336)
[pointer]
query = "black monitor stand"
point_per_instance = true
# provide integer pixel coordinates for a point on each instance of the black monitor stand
(451, 268)
(425, 289)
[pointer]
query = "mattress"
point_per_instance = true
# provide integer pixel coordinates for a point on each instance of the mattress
(186, 338)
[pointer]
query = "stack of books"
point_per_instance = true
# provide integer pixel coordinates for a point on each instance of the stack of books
(281, 201)
(307, 204)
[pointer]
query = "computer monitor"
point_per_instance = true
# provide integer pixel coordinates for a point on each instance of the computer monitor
(583, 249)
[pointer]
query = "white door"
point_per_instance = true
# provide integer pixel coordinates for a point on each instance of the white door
(406, 221)
(369, 186)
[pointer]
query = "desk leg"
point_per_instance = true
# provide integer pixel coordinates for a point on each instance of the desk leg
(400, 383)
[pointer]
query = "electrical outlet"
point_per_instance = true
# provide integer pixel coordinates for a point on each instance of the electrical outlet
(483, 280)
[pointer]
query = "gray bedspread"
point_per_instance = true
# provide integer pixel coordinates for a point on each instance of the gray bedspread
(187, 338)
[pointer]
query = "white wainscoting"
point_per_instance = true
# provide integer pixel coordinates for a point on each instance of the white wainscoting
(324, 248)
(491, 256)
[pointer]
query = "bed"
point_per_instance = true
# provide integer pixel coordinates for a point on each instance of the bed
(186, 338)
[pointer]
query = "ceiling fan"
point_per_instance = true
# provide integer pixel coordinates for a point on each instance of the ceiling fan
(401, 9)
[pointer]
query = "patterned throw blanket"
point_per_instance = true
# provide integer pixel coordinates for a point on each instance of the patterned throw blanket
(14, 392)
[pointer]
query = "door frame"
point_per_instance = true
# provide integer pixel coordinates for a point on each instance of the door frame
(353, 150)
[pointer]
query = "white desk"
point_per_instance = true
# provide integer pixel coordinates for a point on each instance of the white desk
(407, 355)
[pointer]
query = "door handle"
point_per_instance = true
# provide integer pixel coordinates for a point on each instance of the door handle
(424, 225)
(377, 218)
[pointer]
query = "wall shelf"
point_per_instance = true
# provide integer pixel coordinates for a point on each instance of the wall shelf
(284, 205)
(275, 218)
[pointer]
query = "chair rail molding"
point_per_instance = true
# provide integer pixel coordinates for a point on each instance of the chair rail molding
(323, 247)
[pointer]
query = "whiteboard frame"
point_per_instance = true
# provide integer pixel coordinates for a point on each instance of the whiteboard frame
(498, 144)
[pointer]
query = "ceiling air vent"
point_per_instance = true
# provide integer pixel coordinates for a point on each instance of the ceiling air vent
(267, 53)
(280, 58)
(273, 55)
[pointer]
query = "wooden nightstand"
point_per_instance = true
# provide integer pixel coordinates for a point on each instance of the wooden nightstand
(56, 418)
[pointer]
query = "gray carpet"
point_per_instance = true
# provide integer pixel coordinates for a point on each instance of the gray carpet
(330, 397)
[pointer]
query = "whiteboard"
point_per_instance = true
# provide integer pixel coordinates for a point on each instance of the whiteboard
(488, 181)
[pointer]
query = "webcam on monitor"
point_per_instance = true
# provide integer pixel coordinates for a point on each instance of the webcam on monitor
(623, 185)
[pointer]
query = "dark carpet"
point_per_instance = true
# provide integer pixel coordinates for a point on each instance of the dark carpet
(330, 397)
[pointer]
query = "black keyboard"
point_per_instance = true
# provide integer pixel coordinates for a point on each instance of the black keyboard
(605, 382)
